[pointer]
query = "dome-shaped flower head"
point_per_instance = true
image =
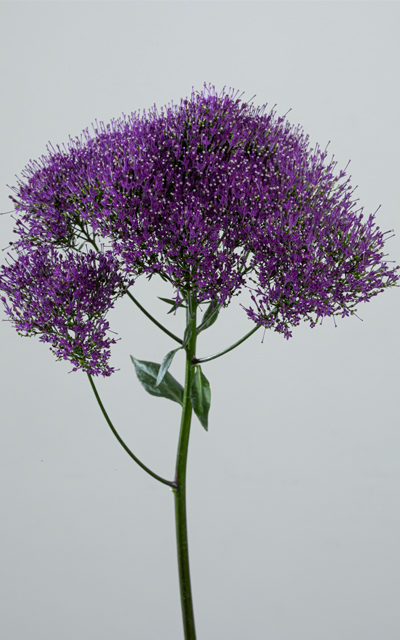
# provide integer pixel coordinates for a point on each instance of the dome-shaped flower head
(214, 195)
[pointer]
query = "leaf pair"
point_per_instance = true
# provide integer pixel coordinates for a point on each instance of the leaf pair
(210, 315)
(148, 373)
(157, 381)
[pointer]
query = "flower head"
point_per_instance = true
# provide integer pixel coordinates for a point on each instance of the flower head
(214, 195)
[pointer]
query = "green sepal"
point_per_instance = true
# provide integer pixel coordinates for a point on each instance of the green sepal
(165, 365)
(210, 316)
(188, 333)
(200, 397)
(147, 373)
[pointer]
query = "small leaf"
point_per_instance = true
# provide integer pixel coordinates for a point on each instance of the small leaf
(147, 373)
(173, 304)
(165, 365)
(188, 333)
(210, 316)
(177, 306)
(200, 396)
(168, 300)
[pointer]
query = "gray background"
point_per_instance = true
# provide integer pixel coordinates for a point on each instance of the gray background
(294, 493)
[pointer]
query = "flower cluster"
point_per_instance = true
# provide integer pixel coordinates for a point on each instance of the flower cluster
(64, 299)
(214, 195)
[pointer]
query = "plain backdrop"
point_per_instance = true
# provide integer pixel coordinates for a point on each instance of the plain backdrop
(293, 493)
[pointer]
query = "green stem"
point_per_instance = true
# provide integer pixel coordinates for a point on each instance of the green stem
(180, 487)
(221, 353)
(159, 325)
(146, 313)
(132, 455)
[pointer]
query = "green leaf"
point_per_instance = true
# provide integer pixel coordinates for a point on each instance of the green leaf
(167, 300)
(200, 396)
(188, 333)
(173, 304)
(165, 365)
(147, 373)
(177, 306)
(210, 316)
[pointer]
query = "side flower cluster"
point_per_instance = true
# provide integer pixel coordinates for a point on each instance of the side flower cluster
(215, 196)
(63, 299)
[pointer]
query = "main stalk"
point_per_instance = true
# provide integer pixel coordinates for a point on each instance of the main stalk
(180, 481)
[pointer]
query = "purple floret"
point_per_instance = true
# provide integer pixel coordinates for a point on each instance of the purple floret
(214, 195)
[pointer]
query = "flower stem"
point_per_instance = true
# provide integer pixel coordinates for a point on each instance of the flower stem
(180, 487)
(132, 455)
(221, 353)
(159, 325)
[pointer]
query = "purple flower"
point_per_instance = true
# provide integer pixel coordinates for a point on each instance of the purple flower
(63, 299)
(214, 195)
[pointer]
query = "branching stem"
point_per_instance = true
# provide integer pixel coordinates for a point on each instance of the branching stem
(221, 353)
(170, 483)
(159, 325)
